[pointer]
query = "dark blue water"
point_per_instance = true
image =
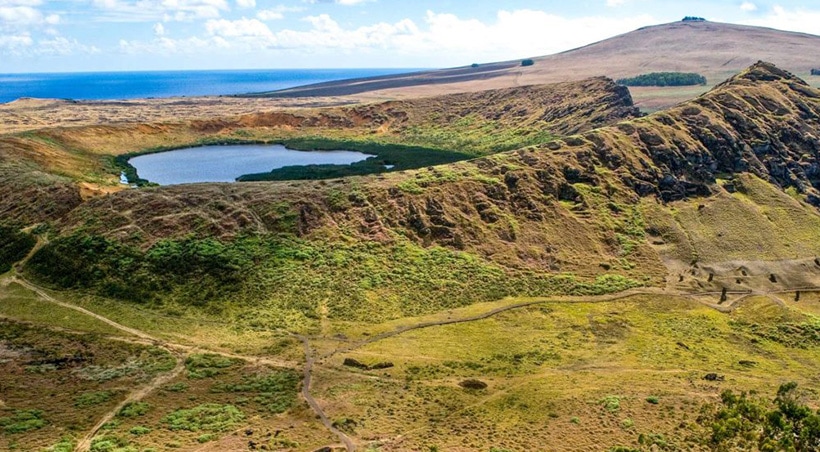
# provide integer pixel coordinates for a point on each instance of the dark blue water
(131, 85)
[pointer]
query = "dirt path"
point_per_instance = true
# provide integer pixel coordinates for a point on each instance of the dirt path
(135, 332)
(306, 380)
(134, 396)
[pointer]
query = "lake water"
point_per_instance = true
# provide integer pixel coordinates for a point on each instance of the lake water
(226, 163)
(131, 85)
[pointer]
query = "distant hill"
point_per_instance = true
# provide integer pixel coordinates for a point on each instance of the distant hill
(715, 50)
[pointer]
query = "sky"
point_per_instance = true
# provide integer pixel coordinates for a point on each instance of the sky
(131, 35)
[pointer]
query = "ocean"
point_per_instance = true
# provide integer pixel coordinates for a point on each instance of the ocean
(132, 85)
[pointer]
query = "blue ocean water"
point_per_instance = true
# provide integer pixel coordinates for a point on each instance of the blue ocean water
(131, 85)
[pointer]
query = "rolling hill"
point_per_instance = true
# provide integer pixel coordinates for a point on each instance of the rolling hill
(715, 50)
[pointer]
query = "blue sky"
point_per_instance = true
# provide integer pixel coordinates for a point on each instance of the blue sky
(114, 35)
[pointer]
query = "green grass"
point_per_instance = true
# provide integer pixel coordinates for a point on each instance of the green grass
(19, 303)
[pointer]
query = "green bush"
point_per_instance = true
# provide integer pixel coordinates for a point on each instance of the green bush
(92, 398)
(14, 246)
(134, 409)
(527, 62)
(23, 421)
(139, 430)
(111, 444)
(209, 417)
(206, 365)
(747, 422)
(664, 79)
(276, 391)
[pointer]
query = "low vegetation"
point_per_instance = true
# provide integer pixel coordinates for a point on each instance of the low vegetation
(664, 79)
(748, 421)
(14, 246)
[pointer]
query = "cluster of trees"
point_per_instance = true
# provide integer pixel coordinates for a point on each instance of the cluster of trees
(693, 19)
(745, 422)
(664, 79)
(815, 72)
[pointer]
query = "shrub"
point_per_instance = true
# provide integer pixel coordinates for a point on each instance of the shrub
(92, 398)
(208, 417)
(139, 430)
(653, 400)
(134, 409)
(527, 62)
(23, 421)
(693, 19)
(14, 246)
(207, 365)
(815, 72)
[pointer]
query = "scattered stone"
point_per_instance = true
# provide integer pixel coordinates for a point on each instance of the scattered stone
(472, 383)
(351, 362)
(713, 377)
(773, 278)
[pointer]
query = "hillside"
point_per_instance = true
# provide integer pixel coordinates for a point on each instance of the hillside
(504, 216)
(715, 50)
(599, 285)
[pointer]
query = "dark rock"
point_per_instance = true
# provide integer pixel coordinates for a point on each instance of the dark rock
(713, 377)
(472, 383)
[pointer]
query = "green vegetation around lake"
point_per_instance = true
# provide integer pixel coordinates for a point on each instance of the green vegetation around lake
(386, 157)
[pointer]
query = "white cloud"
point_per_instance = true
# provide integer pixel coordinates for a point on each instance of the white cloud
(14, 44)
(159, 29)
(242, 28)
(748, 7)
(167, 10)
(441, 39)
(20, 15)
(269, 14)
(246, 3)
(615, 3)
(797, 19)
(277, 12)
(21, 2)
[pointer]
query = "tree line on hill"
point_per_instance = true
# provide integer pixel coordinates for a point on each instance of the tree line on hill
(815, 72)
(664, 79)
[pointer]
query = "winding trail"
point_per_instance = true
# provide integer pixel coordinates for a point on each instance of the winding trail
(314, 405)
(135, 396)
